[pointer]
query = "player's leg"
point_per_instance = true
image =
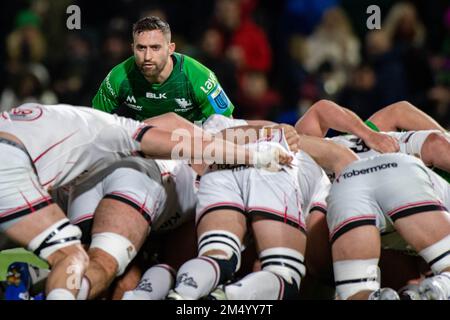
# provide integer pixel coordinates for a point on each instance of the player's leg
(49, 234)
(319, 262)
(176, 247)
(154, 284)
(28, 217)
(118, 232)
(419, 216)
(221, 226)
(220, 234)
(354, 219)
(429, 233)
(281, 250)
(319, 280)
(121, 224)
(273, 205)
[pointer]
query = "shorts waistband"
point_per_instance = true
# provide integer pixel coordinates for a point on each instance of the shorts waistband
(14, 144)
(20, 147)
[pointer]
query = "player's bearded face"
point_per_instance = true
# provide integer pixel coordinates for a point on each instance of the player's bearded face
(151, 51)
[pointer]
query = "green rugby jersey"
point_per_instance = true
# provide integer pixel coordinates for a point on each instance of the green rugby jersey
(192, 91)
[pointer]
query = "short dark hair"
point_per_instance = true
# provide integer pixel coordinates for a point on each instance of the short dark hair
(151, 23)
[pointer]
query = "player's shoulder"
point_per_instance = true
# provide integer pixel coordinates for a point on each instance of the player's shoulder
(192, 67)
(122, 71)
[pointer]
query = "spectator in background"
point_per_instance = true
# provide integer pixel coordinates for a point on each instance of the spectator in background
(360, 94)
(255, 99)
(300, 88)
(334, 48)
(407, 34)
(440, 94)
(302, 16)
(212, 56)
(26, 43)
(30, 84)
(245, 43)
(388, 67)
(73, 84)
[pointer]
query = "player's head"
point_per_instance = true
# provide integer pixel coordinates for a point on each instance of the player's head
(151, 45)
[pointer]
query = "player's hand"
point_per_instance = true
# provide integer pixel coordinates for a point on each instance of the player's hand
(382, 142)
(291, 136)
(271, 157)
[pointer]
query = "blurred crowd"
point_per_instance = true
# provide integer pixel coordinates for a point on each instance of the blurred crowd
(273, 58)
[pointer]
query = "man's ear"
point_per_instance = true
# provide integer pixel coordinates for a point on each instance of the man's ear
(172, 47)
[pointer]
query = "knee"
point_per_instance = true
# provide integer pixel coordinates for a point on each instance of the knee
(113, 250)
(74, 254)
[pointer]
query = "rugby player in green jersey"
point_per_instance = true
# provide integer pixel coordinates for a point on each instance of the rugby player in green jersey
(158, 80)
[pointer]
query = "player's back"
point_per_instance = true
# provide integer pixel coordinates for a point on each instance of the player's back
(63, 141)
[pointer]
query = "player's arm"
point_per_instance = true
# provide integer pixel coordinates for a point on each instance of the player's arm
(171, 121)
(326, 114)
(201, 147)
(403, 115)
(107, 96)
(326, 153)
(209, 94)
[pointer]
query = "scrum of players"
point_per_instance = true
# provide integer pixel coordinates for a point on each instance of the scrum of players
(267, 190)
(162, 208)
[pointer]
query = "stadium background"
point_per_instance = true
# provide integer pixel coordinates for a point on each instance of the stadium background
(295, 51)
(273, 58)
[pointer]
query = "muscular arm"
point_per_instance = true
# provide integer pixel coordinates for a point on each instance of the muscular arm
(171, 121)
(327, 154)
(201, 147)
(403, 116)
(326, 114)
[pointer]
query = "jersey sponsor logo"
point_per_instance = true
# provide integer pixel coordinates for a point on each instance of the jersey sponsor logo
(131, 103)
(183, 103)
(373, 169)
(158, 96)
(25, 114)
(358, 145)
(108, 85)
(131, 99)
(219, 100)
(210, 83)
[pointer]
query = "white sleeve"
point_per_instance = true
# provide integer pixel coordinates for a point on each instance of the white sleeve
(217, 122)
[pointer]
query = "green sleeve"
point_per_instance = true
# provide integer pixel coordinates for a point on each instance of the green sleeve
(107, 97)
(372, 125)
(209, 94)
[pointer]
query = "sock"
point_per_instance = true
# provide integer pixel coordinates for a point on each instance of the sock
(197, 277)
(261, 285)
(154, 284)
(83, 293)
(60, 294)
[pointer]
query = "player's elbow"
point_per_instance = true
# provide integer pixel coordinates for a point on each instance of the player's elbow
(343, 157)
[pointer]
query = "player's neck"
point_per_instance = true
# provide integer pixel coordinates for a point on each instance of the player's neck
(164, 75)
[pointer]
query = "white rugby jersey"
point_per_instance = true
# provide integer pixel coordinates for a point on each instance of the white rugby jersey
(313, 182)
(181, 184)
(64, 141)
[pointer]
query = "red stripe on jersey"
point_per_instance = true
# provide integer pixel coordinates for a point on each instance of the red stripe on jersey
(52, 146)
